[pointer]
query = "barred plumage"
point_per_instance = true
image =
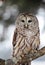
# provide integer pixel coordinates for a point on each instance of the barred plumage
(25, 37)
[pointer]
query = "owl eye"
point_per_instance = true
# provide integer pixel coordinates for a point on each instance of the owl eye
(29, 21)
(23, 21)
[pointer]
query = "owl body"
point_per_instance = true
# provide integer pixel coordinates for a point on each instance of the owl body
(26, 36)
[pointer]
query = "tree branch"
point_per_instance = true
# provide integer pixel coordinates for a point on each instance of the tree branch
(34, 55)
(31, 56)
(39, 53)
(2, 62)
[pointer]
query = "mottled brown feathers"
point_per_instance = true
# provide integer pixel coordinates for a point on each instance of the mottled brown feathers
(25, 38)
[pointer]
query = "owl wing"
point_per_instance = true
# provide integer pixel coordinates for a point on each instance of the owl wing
(36, 42)
(14, 37)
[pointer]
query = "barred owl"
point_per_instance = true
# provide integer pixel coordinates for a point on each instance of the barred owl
(26, 36)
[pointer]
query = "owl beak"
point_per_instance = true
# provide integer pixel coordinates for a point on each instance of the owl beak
(25, 26)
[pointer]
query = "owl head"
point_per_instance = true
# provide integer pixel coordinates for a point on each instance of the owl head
(27, 21)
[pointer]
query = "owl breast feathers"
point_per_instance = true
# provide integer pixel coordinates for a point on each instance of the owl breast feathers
(26, 36)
